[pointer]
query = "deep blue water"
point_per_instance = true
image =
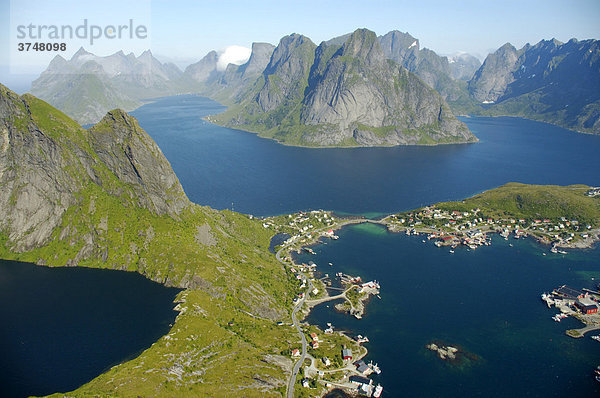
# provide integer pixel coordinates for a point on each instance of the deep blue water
(220, 167)
(486, 301)
(61, 327)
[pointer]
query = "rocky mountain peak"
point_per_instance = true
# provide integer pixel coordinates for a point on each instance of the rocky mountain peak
(46, 159)
(345, 93)
(363, 44)
(259, 59)
(396, 42)
(204, 69)
(490, 81)
(292, 49)
(285, 75)
(80, 53)
(134, 158)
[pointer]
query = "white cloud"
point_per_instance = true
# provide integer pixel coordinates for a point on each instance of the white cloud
(233, 55)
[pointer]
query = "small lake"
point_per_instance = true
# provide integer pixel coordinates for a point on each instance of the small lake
(61, 327)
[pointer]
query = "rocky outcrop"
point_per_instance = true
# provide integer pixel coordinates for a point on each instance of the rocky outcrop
(347, 94)
(258, 61)
(439, 73)
(134, 158)
(35, 190)
(46, 159)
(205, 69)
(285, 75)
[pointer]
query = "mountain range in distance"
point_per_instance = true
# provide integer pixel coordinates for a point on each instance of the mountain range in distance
(87, 86)
(550, 81)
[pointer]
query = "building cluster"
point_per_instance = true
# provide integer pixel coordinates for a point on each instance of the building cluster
(584, 302)
(453, 227)
(593, 192)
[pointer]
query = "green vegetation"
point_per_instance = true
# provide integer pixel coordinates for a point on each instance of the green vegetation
(227, 340)
(564, 216)
(521, 201)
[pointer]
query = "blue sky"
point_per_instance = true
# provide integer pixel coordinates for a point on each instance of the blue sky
(186, 30)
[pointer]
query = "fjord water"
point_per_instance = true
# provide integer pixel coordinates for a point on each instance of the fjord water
(219, 167)
(61, 327)
(486, 301)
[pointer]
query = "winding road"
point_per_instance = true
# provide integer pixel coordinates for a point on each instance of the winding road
(298, 307)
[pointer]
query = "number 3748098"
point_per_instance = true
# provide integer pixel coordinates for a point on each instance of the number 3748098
(42, 46)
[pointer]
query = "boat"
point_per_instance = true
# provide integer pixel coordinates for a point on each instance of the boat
(361, 339)
(451, 251)
(562, 252)
(597, 338)
(379, 389)
(330, 264)
(374, 368)
(554, 250)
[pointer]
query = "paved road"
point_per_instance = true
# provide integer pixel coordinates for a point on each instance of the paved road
(298, 307)
(298, 364)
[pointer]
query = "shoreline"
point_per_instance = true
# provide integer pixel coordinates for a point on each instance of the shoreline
(304, 306)
(308, 238)
(258, 134)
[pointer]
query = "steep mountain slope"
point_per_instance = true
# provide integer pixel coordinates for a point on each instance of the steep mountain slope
(463, 66)
(87, 86)
(205, 69)
(438, 72)
(237, 79)
(490, 81)
(551, 81)
(346, 94)
(107, 197)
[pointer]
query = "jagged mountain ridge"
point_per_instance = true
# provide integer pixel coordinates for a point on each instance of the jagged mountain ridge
(550, 81)
(347, 94)
(37, 191)
(87, 86)
(437, 71)
(231, 82)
